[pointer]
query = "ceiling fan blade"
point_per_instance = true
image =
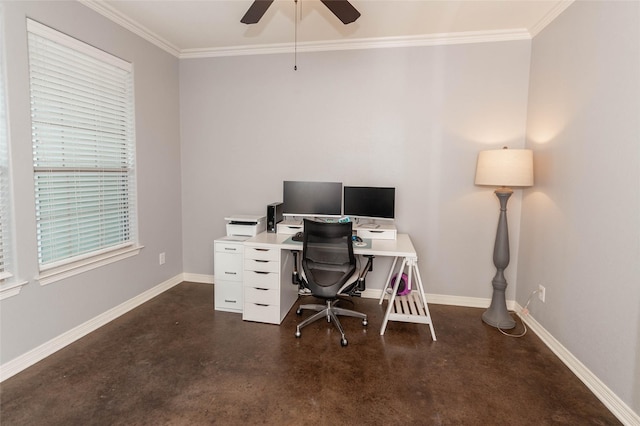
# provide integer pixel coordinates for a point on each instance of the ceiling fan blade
(255, 11)
(343, 10)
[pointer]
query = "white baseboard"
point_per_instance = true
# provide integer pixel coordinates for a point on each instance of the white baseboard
(441, 299)
(198, 278)
(619, 409)
(16, 365)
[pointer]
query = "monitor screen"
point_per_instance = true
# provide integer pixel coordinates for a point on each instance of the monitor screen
(312, 198)
(369, 202)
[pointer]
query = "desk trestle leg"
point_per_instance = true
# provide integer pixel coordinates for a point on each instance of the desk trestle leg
(407, 308)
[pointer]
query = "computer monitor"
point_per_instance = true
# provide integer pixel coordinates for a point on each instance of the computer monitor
(369, 202)
(312, 198)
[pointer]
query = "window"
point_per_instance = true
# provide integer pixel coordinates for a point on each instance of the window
(9, 284)
(5, 244)
(83, 150)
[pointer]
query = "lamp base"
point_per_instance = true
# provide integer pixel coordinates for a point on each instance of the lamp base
(497, 315)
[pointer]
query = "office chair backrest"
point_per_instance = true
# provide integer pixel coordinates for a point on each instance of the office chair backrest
(328, 261)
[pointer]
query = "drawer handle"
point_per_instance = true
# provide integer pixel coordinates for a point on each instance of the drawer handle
(230, 248)
(261, 289)
(261, 304)
(261, 249)
(262, 261)
(230, 301)
(375, 232)
(261, 272)
(230, 273)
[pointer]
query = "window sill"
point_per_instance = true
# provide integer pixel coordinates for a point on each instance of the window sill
(65, 271)
(8, 290)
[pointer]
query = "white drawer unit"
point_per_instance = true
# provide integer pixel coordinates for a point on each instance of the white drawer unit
(228, 259)
(259, 279)
(264, 266)
(268, 292)
(261, 253)
(264, 296)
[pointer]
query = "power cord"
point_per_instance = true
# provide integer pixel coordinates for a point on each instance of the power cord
(523, 312)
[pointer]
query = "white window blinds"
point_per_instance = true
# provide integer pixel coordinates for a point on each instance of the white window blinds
(83, 148)
(5, 244)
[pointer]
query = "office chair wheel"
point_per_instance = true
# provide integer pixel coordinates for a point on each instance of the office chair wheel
(298, 311)
(298, 334)
(365, 322)
(343, 342)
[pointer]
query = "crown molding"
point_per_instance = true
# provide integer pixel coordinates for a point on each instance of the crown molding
(108, 12)
(550, 16)
(356, 44)
(321, 46)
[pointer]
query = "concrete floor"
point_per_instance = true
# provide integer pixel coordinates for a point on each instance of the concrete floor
(176, 361)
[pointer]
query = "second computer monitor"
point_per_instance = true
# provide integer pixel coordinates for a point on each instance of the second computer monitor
(312, 198)
(369, 202)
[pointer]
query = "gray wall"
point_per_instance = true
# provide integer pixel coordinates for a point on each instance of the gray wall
(40, 313)
(413, 118)
(580, 232)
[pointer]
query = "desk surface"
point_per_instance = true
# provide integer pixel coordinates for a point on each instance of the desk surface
(400, 247)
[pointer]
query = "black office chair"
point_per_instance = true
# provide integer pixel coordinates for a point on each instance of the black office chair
(328, 270)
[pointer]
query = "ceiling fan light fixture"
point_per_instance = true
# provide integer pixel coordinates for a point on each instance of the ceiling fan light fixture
(255, 12)
(343, 10)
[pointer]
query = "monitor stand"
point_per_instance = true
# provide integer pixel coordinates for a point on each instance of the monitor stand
(371, 223)
(298, 220)
(368, 225)
(291, 220)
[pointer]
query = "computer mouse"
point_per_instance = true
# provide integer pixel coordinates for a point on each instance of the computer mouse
(299, 236)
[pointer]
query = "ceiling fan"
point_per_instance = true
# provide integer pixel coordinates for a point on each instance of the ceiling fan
(341, 8)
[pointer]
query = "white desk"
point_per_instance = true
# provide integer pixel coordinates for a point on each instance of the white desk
(410, 308)
(400, 247)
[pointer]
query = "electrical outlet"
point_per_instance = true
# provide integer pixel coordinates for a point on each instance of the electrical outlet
(161, 258)
(541, 293)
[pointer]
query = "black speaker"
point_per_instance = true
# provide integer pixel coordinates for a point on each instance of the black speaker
(274, 215)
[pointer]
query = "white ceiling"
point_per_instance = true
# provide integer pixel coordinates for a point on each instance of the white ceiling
(189, 28)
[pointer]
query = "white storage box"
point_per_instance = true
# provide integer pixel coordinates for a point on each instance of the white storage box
(376, 231)
(290, 227)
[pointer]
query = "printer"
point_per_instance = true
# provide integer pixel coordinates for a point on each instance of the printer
(246, 225)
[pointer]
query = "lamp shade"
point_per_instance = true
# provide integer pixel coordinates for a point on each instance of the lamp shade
(505, 167)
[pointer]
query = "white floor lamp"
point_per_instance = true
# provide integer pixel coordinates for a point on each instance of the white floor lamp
(505, 168)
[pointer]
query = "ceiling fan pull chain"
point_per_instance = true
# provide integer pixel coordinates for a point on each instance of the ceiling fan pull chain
(295, 39)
